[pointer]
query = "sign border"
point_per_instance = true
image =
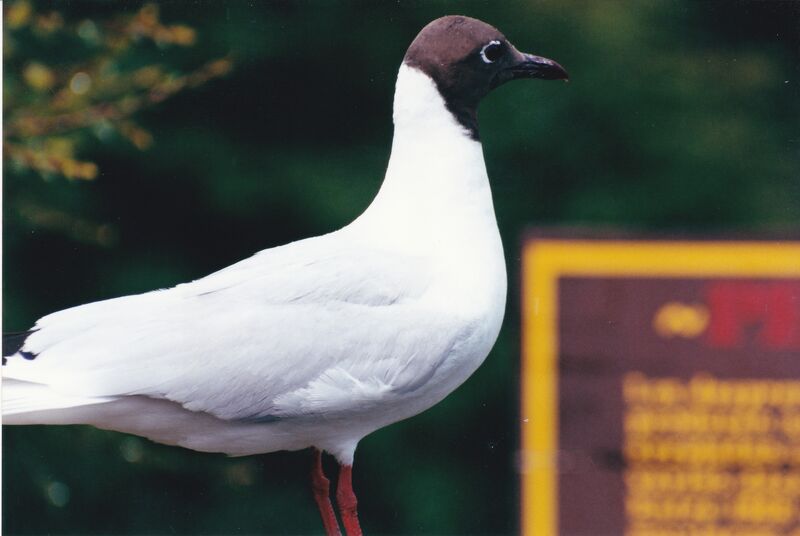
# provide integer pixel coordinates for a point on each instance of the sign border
(548, 257)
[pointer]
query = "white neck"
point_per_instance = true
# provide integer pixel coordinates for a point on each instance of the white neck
(436, 189)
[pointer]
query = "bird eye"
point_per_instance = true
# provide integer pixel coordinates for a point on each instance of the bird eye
(492, 51)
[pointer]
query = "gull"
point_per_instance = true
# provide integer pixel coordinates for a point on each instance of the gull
(316, 343)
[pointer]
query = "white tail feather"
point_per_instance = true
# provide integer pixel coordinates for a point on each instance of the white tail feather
(22, 398)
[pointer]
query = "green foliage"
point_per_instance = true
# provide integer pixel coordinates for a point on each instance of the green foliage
(69, 85)
(679, 116)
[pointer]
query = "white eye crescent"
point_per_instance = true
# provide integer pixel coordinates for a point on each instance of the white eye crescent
(492, 51)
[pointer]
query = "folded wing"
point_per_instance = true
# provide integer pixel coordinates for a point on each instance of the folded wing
(316, 326)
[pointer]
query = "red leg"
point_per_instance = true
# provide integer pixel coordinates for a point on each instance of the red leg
(320, 485)
(346, 499)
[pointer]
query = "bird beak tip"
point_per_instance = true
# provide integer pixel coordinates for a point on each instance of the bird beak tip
(531, 66)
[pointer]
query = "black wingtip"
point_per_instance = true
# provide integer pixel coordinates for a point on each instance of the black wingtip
(13, 343)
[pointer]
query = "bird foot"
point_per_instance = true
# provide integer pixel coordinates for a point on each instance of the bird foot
(346, 499)
(320, 485)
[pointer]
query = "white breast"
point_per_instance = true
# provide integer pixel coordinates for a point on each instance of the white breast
(436, 203)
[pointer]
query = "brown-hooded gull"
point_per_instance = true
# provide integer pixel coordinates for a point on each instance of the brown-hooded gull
(322, 341)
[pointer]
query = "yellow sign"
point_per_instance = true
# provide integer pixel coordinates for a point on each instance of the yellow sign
(668, 276)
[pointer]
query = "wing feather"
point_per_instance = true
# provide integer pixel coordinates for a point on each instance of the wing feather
(278, 334)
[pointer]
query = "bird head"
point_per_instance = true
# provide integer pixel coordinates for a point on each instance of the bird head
(468, 58)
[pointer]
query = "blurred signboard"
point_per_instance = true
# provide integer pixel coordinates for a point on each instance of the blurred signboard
(660, 387)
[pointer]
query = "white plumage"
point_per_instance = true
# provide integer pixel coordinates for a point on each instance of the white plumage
(315, 343)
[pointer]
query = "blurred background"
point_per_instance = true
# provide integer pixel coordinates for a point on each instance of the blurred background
(146, 145)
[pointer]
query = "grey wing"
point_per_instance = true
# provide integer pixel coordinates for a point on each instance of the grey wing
(288, 331)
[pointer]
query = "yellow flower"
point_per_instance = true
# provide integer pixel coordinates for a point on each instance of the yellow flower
(182, 35)
(18, 15)
(39, 76)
